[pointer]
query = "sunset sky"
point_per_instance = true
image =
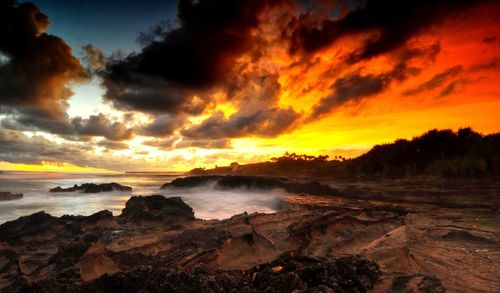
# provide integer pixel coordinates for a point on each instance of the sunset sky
(148, 85)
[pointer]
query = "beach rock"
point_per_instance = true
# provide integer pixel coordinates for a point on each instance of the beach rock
(157, 207)
(25, 226)
(5, 195)
(93, 188)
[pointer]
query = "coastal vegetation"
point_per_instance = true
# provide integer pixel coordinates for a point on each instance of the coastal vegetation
(441, 153)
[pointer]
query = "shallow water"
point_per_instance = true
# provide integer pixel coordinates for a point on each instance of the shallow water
(206, 202)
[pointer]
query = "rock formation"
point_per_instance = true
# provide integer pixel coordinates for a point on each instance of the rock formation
(318, 244)
(253, 182)
(93, 188)
(157, 207)
(5, 195)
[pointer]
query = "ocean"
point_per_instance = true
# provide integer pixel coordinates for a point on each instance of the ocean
(206, 202)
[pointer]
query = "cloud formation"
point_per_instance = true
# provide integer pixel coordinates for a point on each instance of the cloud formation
(388, 24)
(355, 86)
(177, 64)
(436, 81)
(223, 70)
(100, 125)
(34, 79)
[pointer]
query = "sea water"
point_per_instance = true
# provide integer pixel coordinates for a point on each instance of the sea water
(207, 202)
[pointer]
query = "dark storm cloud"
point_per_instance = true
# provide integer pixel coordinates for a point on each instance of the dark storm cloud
(355, 86)
(100, 125)
(435, 82)
(178, 63)
(264, 122)
(34, 119)
(162, 126)
(34, 79)
(38, 66)
(395, 22)
(351, 88)
(258, 113)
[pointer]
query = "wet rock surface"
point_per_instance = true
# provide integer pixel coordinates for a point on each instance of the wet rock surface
(157, 207)
(5, 195)
(317, 244)
(93, 188)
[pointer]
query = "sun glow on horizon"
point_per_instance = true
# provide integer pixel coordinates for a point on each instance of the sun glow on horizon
(51, 167)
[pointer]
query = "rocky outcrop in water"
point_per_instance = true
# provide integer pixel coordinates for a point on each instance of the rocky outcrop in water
(254, 182)
(5, 195)
(93, 188)
(157, 207)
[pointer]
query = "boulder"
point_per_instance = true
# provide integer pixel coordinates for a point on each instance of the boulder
(25, 226)
(5, 195)
(157, 207)
(93, 188)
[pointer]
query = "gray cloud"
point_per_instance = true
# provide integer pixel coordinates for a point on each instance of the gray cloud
(258, 113)
(112, 145)
(355, 87)
(100, 125)
(162, 126)
(94, 57)
(204, 143)
(37, 68)
(435, 82)
(265, 122)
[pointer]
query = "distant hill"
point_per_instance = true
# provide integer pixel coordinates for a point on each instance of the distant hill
(443, 153)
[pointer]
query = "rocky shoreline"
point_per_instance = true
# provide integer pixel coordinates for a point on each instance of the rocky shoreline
(316, 243)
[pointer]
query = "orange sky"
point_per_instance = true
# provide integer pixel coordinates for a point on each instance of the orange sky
(469, 43)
